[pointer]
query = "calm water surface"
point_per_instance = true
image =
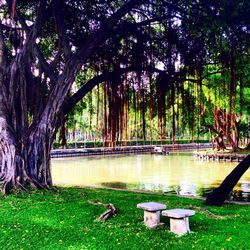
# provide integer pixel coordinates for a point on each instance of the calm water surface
(177, 173)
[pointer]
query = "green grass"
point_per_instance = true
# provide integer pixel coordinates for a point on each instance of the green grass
(66, 220)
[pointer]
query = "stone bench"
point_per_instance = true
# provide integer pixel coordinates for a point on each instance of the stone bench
(179, 223)
(152, 213)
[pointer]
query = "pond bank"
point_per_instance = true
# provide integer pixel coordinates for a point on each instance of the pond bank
(56, 153)
(233, 157)
(244, 203)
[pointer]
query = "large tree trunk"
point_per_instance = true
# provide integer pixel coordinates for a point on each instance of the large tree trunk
(8, 163)
(38, 148)
(25, 153)
(27, 162)
(220, 194)
(62, 135)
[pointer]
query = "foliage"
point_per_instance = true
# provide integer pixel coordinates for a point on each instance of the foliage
(197, 52)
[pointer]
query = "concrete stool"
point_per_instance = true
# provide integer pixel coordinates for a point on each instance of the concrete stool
(152, 213)
(179, 223)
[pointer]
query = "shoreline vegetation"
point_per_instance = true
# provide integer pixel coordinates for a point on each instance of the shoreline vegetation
(66, 219)
(99, 144)
(77, 144)
(222, 155)
(57, 153)
(227, 151)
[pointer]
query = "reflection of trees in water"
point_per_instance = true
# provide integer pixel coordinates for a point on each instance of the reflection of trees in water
(238, 195)
(242, 194)
(116, 184)
(241, 190)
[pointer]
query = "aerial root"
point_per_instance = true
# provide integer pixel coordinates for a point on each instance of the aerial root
(207, 213)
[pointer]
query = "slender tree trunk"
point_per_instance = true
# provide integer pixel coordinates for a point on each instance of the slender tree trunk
(151, 115)
(90, 110)
(63, 138)
(161, 83)
(125, 113)
(114, 113)
(97, 113)
(105, 130)
(121, 113)
(211, 138)
(173, 114)
(135, 132)
(233, 131)
(143, 111)
(218, 196)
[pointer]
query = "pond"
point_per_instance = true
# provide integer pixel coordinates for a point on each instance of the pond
(175, 173)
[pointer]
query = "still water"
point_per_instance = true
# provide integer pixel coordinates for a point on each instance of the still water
(175, 173)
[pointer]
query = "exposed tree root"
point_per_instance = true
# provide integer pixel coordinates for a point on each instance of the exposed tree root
(208, 213)
(110, 212)
(22, 187)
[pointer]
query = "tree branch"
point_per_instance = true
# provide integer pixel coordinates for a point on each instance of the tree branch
(31, 40)
(88, 86)
(63, 39)
(45, 65)
(102, 33)
(73, 65)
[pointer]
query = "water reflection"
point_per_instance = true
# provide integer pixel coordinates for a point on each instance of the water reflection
(179, 174)
(117, 184)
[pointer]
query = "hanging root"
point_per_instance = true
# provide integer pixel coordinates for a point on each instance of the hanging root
(6, 188)
(21, 186)
(32, 183)
(208, 213)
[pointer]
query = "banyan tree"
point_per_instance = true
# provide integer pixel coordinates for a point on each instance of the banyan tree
(43, 45)
(46, 44)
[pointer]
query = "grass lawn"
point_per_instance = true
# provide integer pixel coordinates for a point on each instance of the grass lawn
(67, 220)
